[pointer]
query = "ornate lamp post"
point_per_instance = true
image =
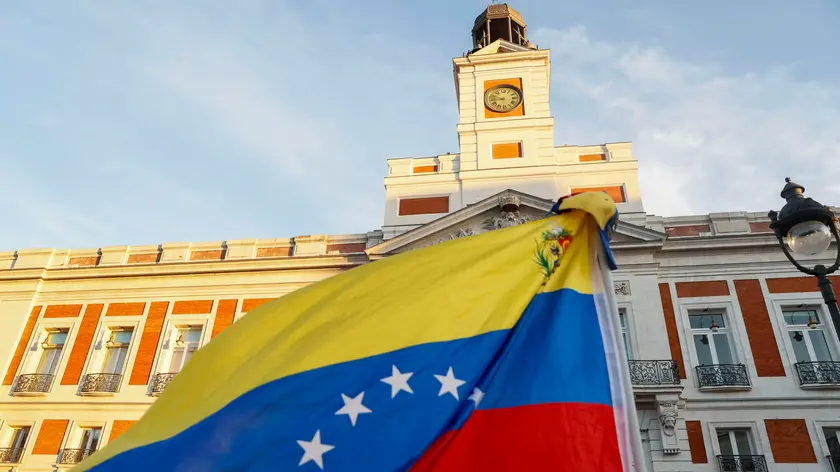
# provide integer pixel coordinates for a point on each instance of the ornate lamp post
(806, 227)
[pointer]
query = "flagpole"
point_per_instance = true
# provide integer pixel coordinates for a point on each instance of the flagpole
(634, 441)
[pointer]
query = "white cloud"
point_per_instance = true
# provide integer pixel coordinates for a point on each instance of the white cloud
(707, 139)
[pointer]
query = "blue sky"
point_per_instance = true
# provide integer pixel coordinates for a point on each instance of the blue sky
(142, 122)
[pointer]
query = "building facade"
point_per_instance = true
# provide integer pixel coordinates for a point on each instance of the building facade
(734, 362)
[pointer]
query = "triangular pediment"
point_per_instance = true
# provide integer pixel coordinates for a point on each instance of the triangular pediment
(499, 45)
(507, 208)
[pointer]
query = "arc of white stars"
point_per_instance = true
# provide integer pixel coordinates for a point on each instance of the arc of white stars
(449, 384)
(353, 407)
(314, 450)
(398, 381)
(476, 396)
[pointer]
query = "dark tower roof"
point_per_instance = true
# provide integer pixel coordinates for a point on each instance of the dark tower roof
(499, 21)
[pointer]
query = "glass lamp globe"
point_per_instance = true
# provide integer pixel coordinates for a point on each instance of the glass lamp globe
(809, 238)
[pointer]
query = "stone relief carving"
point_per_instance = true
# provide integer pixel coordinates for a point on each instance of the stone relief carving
(621, 287)
(506, 219)
(668, 418)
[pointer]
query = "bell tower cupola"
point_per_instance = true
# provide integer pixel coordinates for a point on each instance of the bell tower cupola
(499, 21)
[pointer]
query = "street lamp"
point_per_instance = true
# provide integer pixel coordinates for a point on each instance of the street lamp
(806, 227)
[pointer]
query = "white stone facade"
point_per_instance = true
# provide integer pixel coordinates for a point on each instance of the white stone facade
(672, 270)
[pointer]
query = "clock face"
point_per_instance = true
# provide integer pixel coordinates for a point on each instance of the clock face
(502, 98)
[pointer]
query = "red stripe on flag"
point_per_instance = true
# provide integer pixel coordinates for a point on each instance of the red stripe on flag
(558, 436)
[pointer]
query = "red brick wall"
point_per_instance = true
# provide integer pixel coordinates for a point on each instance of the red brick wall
(50, 437)
(23, 342)
(424, 206)
(193, 307)
(125, 309)
(148, 258)
(790, 442)
(671, 327)
(347, 248)
(696, 443)
(84, 261)
(224, 316)
(763, 227)
(81, 345)
(768, 360)
(148, 344)
(592, 157)
(119, 427)
(688, 230)
(280, 251)
(714, 288)
(207, 255)
(252, 303)
(62, 311)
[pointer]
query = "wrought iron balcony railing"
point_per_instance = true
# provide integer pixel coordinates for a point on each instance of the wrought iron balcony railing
(160, 382)
(74, 456)
(654, 372)
(818, 373)
(722, 375)
(28, 384)
(100, 383)
(835, 463)
(10, 455)
(742, 464)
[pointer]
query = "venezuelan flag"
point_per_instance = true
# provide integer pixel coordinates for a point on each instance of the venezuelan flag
(496, 352)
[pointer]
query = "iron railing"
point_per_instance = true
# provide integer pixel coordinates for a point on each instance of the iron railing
(665, 372)
(101, 383)
(10, 455)
(32, 383)
(74, 456)
(742, 464)
(818, 373)
(160, 382)
(723, 375)
(835, 463)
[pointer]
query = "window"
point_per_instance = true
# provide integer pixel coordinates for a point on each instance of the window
(807, 335)
(832, 440)
(186, 344)
(90, 439)
(711, 338)
(735, 442)
(117, 350)
(14, 444)
(625, 331)
(85, 440)
(52, 347)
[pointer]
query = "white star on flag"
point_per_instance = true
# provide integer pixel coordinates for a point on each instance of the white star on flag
(449, 384)
(314, 451)
(398, 381)
(476, 396)
(353, 407)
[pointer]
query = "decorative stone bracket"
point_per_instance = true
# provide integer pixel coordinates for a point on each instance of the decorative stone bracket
(668, 407)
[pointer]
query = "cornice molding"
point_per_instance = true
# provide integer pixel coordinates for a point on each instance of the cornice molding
(188, 268)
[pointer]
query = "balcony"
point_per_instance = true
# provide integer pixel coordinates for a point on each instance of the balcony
(100, 384)
(818, 374)
(835, 463)
(160, 382)
(645, 373)
(742, 464)
(10, 455)
(32, 384)
(723, 377)
(74, 456)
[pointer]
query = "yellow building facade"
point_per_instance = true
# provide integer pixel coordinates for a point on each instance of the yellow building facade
(732, 363)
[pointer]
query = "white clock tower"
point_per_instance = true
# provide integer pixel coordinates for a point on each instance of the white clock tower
(506, 137)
